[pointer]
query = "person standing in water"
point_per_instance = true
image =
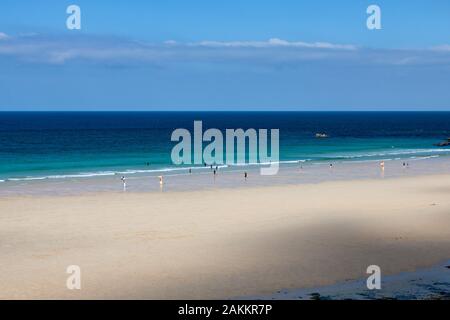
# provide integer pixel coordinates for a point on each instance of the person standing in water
(382, 169)
(124, 182)
(161, 181)
(245, 175)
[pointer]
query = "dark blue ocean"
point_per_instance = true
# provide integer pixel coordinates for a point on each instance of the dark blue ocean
(66, 144)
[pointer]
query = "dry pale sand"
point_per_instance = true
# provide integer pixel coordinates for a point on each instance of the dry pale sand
(221, 243)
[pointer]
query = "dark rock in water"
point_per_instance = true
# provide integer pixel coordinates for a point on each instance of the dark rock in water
(439, 296)
(315, 296)
(388, 298)
(448, 267)
(444, 143)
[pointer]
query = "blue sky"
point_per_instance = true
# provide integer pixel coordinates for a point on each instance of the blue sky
(225, 55)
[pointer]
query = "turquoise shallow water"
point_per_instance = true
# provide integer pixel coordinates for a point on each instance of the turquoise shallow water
(60, 145)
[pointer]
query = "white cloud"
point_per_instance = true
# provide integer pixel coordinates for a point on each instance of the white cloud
(170, 42)
(3, 36)
(445, 47)
(58, 50)
(37, 48)
(273, 43)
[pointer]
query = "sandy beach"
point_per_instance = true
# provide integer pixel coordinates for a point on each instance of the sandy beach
(221, 243)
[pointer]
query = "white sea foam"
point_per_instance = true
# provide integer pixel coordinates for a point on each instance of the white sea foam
(393, 153)
(269, 163)
(65, 176)
(107, 173)
(131, 171)
(423, 158)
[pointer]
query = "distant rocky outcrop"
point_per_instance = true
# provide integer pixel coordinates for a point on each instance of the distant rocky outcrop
(443, 143)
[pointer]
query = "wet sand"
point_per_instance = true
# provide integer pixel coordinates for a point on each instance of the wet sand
(424, 284)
